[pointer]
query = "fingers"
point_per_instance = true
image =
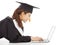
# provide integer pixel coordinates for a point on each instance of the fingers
(41, 39)
(36, 39)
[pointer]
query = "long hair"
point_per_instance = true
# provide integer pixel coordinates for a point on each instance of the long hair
(16, 14)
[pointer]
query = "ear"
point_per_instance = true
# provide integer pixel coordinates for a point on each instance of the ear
(22, 13)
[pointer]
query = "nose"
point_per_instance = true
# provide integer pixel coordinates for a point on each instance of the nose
(29, 19)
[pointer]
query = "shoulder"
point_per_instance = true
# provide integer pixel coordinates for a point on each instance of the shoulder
(6, 20)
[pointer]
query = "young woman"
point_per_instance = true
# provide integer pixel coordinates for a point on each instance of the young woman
(12, 28)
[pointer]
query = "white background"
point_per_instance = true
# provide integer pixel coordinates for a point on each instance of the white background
(41, 19)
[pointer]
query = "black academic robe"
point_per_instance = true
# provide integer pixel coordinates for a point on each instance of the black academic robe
(10, 32)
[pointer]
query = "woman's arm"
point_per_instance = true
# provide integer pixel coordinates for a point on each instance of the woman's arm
(26, 39)
(21, 39)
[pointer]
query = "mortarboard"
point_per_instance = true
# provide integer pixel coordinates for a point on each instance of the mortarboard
(26, 7)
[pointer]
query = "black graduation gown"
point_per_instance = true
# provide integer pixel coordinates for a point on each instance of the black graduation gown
(10, 32)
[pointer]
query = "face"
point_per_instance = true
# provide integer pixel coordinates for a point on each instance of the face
(25, 17)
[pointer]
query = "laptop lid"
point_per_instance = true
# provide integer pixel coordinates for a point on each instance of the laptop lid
(51, 33)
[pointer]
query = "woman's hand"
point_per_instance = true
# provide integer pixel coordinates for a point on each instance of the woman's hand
(36, 39)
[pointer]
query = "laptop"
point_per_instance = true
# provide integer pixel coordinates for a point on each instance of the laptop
(49, 35)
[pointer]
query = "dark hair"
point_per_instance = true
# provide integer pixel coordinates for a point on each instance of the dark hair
(16, 14)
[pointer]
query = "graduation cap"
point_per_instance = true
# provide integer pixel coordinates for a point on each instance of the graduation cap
(26, 7)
